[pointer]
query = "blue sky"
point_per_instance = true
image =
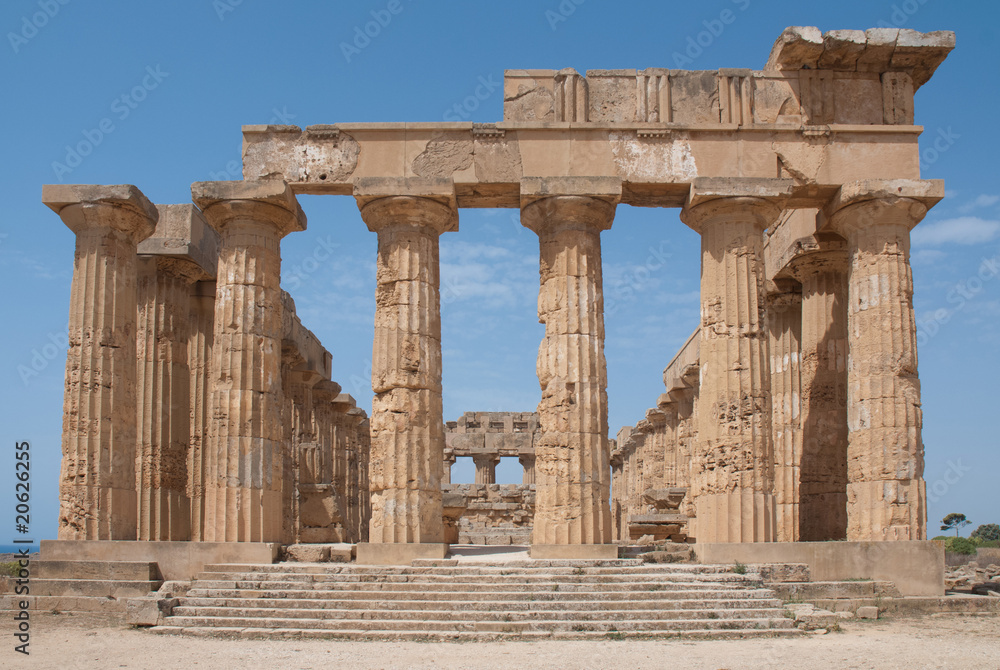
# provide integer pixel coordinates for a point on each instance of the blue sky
(205, 68)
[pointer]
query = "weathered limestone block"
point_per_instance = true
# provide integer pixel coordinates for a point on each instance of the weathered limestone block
(97, 490)
(490, 514)
(733, 484)
(407, 423)
(886, 495)
(201, 330)
(572, 453)
(243, 473)
(822, 268)
(784, 318)
(181, 251)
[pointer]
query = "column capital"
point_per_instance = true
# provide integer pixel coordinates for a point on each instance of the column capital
(549, 204)
(418, 201)
(713, 199)
(266, 200)
(84, 207)
(873, 202)
(815, 254)
(174, 266)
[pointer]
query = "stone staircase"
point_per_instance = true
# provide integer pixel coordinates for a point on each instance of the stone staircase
(453, 600)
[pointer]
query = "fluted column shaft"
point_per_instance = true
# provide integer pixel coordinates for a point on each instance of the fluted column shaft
(449, 461)
(243, 478)
(527, 462)
(886, 494)
(486, 468)
(201, 334)
(164, 406)
(823, 474)
(572, 452)
(784, 318)
(97, 490)
(734, 462)
(407, 423)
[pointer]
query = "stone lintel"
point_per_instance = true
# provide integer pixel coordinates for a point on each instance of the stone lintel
(464, 444)
(573, 551)
(659, 518)
(706, 189)
(607, 189)
(182, 232)
(398, 553)
(74, 202)
(276, 192)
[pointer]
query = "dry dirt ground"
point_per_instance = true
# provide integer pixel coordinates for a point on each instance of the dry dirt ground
(939, 641)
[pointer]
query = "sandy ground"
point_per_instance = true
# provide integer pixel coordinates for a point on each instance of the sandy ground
(939, 641)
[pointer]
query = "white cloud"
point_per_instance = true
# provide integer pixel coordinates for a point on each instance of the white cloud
(961, 230)
(982, 201)
(927, 256)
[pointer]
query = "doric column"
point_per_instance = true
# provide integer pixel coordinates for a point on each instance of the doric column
(449, 461)
(97, 495)
(163, 389)
(784, 320)
(244, 470)
(486, 468)
(527, 462)
(202, 332)
(182, 251)
(822, 270)
(572, 452)
(407, 447)
(886, 495)
(734, 460)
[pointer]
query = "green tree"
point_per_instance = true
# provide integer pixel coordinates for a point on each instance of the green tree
(988, 532)
(954, 520)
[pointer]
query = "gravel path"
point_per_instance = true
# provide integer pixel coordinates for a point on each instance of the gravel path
(939, 641)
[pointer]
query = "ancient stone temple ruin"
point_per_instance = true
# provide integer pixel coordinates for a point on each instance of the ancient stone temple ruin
(486, 512)
(198, 408)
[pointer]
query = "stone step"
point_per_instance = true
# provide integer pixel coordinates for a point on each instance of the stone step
(99, 570)
(379, 586)
(651, 578)
(762, 623)
(480, 604)
(378, 614)
(497, 592)
(477, 569)
(93, 587)
(464, 636)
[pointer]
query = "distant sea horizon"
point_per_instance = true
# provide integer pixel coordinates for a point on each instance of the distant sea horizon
(15, 548)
